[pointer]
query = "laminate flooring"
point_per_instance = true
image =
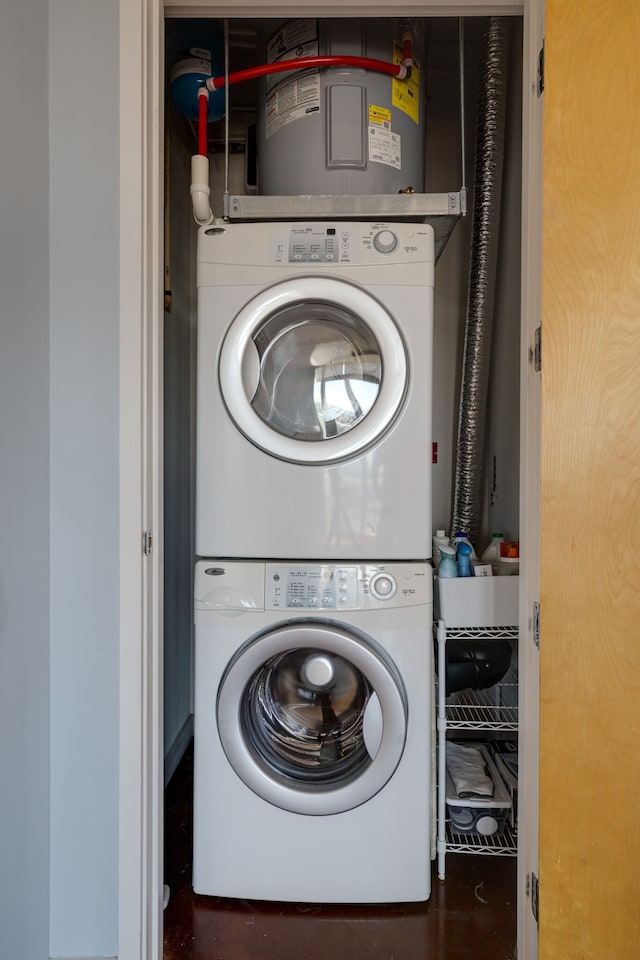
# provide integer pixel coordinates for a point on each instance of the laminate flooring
(470, 916)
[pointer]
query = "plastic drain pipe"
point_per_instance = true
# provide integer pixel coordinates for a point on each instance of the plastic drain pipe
(200, 191)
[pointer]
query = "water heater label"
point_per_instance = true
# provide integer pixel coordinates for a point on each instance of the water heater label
(379, 116)
(384, 146)
(405, 94)
(292, 98)
(295, 38)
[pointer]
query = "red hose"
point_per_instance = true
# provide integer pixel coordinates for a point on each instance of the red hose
(203, 107)
(302, 63)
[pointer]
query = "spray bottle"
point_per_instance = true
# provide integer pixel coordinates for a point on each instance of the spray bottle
(448, 567)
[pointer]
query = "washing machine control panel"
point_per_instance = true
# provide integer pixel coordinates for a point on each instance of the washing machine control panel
(344, 586)
(312, 587)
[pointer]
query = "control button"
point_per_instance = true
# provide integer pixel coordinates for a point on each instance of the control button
(385, 241)
(383, 586)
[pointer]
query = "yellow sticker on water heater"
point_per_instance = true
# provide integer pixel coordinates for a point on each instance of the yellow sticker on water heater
(380, 116)
(405, 94)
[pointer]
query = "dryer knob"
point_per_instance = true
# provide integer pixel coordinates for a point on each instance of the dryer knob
(385, 241)
(383, 586)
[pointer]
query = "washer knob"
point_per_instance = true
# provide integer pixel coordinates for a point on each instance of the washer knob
(385, 241)
(383, 586)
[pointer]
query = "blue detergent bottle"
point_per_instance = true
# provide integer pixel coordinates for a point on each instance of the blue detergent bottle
(461, 537)
(464, 559)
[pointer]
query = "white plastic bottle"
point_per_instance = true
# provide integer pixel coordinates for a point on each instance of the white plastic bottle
(439, 539)
(492, 553)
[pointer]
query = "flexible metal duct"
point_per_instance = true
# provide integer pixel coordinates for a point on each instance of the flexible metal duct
(489, 158)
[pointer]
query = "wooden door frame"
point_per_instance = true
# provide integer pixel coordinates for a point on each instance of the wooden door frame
(141, 179)
(530, 395)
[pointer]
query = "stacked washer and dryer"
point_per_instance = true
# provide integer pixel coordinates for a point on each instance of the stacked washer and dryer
(313, 591)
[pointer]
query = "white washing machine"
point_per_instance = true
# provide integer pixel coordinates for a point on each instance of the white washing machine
(313, 735)
(314, 390)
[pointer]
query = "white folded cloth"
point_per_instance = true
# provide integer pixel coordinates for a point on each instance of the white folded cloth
(468, 771)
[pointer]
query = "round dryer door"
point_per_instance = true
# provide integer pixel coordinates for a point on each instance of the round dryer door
(312, 717)
(313, 370)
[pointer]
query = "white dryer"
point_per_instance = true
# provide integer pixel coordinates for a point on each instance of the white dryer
(314, 390)
(313, 709)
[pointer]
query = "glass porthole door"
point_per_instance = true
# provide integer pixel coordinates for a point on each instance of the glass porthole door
(312, 717)
(313, 370)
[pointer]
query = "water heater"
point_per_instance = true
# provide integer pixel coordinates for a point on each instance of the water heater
(341, 130)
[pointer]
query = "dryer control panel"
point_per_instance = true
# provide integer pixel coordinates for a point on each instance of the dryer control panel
(379, 253)
(366, 243)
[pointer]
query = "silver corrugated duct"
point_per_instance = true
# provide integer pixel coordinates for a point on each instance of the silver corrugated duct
(467, 497)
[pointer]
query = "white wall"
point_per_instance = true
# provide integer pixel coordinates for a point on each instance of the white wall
(84, 321)
(24, 483)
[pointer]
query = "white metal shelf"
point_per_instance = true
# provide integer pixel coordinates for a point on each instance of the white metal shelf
(492, 710)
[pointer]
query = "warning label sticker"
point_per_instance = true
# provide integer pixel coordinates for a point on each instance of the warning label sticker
(380, 116)
(405, 94)
(292, 100)
(291, 39)
(384, 146)
(292, 96)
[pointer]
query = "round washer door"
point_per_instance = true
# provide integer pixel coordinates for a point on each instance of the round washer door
(313, 370)
(312, 717)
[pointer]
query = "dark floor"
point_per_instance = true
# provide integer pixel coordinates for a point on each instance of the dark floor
(470, 916)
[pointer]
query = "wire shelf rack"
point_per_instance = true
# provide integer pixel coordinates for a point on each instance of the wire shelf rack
(504, 844)
(493, 709)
